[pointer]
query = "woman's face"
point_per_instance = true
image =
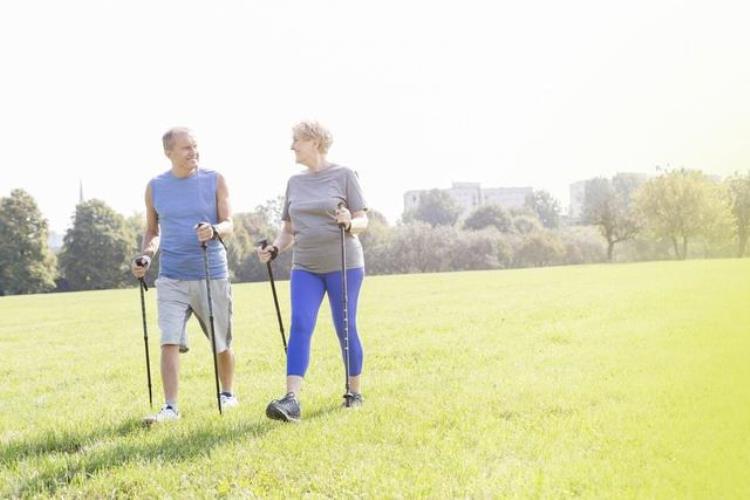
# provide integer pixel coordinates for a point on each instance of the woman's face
(305, 150)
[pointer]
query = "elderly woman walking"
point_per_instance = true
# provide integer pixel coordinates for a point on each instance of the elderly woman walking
(319, 201)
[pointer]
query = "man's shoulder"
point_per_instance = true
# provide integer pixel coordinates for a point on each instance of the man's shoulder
(160, 177)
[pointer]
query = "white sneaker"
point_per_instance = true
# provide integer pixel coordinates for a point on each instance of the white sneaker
(228, 401)
(167, 414)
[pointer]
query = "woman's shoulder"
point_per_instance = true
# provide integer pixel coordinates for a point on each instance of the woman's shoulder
(297, 177)
(343, 170)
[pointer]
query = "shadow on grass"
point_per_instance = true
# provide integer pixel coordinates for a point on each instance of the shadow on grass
(83, 455)
(321, 412)
(64, 441)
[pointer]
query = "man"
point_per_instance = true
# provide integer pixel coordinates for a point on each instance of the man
(186, 207)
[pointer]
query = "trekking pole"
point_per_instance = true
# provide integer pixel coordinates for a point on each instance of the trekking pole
(144, 288)
(345, 300)
(211, 321)
(263, 244)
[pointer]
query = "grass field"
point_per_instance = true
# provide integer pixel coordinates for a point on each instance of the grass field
(595, 381)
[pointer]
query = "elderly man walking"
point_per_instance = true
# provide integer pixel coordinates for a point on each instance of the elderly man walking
(188, 206)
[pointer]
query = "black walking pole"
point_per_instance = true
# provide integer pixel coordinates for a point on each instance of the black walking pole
(211, 321)
(139, 262)
(274, 253)
(342, 229)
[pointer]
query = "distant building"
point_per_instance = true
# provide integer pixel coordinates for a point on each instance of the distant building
(510, 197)
(54, 241)
(470, 195)
(577, 197)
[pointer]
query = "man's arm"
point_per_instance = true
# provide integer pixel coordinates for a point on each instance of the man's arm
(225, 226)
(150, 238)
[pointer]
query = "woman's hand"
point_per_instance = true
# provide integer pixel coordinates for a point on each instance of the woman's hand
(267, 252)
(343, 217)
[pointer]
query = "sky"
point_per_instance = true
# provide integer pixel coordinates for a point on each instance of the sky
(417, 94)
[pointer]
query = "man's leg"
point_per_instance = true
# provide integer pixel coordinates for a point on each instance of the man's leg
(226, 369)
(221, 297)
(170, 370)
(174, 311)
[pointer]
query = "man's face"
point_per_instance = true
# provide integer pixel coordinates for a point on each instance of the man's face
(184, 152)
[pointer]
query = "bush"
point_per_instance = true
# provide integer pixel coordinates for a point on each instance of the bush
(583, 244)
(540, 248)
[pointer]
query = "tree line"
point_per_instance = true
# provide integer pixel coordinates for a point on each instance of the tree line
(677, 214)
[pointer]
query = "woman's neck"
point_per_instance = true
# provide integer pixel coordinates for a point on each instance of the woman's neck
(318, 164)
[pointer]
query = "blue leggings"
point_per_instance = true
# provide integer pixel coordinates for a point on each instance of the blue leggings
(307, 294)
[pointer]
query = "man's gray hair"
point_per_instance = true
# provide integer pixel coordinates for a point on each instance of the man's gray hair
(168, 138)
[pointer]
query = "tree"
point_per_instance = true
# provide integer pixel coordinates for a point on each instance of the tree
(98, 249)
(583, 244)
(249, 229)
(607, 204)
(540, 248)
(525, 221)
(739, 192)
(26, 263)
(271, 211)
(491, 215)
(436, 208)
(419, 248)
(681, 205)
(546, 207)
(375, 244)
(483, 249)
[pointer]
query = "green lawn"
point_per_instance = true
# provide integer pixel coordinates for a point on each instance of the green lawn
(594, 381)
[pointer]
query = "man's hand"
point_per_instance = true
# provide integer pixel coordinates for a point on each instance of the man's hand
(140, 266)
(205, 231)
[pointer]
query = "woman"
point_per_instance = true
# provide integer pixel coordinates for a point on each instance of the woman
(318, 202)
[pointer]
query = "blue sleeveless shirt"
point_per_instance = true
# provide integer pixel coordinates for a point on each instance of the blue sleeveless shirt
(180, 204)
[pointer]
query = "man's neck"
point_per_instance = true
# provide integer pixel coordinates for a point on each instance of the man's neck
(183, 172)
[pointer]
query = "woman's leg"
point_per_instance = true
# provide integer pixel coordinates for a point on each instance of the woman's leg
(307, 291)
(334, 286)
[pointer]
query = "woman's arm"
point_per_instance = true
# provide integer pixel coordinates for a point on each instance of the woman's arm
(283, 241)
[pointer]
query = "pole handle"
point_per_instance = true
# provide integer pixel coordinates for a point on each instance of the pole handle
(341, 205)
(274, 249)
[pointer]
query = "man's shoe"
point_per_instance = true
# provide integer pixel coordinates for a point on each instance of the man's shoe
(353, 400)
(166, 414)
(286, 409)
(228, 401)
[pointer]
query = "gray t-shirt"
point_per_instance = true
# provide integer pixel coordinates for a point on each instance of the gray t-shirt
(310, 205)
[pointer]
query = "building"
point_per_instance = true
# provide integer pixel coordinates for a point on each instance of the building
(577, 197)
(510, 197)
(470, 195)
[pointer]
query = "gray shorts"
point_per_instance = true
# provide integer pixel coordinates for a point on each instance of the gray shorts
(179, 299)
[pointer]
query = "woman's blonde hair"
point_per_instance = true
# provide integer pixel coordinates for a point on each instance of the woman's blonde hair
(315, 131)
